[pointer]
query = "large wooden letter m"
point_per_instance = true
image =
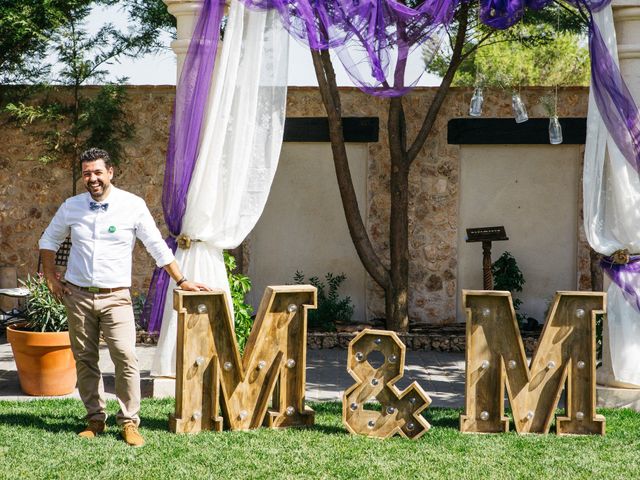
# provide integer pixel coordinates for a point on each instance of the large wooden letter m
(565, 355)
(266, 386)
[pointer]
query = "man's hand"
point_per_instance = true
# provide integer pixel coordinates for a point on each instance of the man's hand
(56, 287)
(174, 272)
(194, 286)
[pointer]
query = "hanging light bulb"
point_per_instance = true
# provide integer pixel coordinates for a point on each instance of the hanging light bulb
(475, 108)
(519, 109)
(555, 131)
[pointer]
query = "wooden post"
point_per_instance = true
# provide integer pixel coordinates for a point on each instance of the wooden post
(487, 277)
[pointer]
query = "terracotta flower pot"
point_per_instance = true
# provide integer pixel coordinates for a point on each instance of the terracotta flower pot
(44, 360)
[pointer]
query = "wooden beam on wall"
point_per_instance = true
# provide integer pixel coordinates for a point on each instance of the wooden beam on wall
(505, 131)
(316, 129)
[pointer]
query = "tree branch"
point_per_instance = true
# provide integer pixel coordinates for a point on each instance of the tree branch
(436, 104)
(331, 99)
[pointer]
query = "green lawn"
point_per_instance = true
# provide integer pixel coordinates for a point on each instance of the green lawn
(37, 440)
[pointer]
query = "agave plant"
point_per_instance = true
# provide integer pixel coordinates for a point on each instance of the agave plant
(43, 312)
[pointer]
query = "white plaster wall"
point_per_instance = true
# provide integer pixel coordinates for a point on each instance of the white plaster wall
(533, 192)
(303, 225)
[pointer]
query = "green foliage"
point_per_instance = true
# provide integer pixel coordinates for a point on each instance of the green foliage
(331, 308)
(507, 276)
(44, 313)
(533, 52)
(28, 31)
(138, 299)
(151, 18)
(105, 121)
(25, 29)
(62, 118)
(240, 285)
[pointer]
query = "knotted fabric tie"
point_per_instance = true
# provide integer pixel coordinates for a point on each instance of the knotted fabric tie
(98, 206)
(624, 270)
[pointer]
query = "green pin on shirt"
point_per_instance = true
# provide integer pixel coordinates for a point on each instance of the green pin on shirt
(112, 229)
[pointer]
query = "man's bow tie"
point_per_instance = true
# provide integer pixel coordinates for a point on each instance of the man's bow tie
(98, 206)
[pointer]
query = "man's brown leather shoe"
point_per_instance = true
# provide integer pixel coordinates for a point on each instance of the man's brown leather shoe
(94, 427)
(131, 435)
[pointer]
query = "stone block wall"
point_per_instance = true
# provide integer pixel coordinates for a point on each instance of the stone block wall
(31, 192)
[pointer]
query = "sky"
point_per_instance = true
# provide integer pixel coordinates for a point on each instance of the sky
(160, 69)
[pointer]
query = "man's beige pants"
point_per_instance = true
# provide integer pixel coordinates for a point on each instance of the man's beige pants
(111, 313)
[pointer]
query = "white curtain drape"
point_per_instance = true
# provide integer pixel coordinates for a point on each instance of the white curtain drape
(239, 151)
(612, 222)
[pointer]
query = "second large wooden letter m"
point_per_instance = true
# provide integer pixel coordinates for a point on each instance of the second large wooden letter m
(216, 387)
(565, 355)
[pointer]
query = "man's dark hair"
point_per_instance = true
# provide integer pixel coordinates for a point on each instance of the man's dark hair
(94, 154)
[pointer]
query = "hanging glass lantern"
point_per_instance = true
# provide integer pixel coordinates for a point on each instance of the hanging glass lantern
(555, 131)
(519, 109)
(475, 109)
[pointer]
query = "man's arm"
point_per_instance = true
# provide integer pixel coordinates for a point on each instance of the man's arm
(49, 243)
(147, 231)
(57, 288)
(174, 272)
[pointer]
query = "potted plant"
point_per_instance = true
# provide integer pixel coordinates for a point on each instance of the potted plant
(40, 344)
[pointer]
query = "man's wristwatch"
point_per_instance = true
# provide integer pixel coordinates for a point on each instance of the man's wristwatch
(181, 281)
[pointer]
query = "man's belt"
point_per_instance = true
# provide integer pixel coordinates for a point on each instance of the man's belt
(98, 289)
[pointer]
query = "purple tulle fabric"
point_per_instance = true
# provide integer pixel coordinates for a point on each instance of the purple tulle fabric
(629, 284)
(184, 138)
(373, 39)
(617, 107)
(502, 14)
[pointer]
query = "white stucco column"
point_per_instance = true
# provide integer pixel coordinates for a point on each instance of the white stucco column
(626, 17)
(186, 13)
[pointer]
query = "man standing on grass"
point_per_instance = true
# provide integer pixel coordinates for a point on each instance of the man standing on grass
(104, 224)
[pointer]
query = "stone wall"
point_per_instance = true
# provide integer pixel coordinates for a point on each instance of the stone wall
(31, 192)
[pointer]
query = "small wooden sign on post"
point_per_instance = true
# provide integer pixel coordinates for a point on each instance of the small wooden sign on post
(486, 235)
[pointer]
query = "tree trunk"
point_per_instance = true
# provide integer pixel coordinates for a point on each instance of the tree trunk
(397, 309)
(397, 294)
(331, 100)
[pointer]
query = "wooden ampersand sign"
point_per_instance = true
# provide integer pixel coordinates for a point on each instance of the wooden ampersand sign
(565, 355)
(216, 387)
(399, 411)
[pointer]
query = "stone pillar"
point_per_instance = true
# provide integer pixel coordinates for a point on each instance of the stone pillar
(186, 13)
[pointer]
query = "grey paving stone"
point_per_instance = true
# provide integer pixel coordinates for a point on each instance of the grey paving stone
(441, 375)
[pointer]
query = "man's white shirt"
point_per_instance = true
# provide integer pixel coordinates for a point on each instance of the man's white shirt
(102, 241)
